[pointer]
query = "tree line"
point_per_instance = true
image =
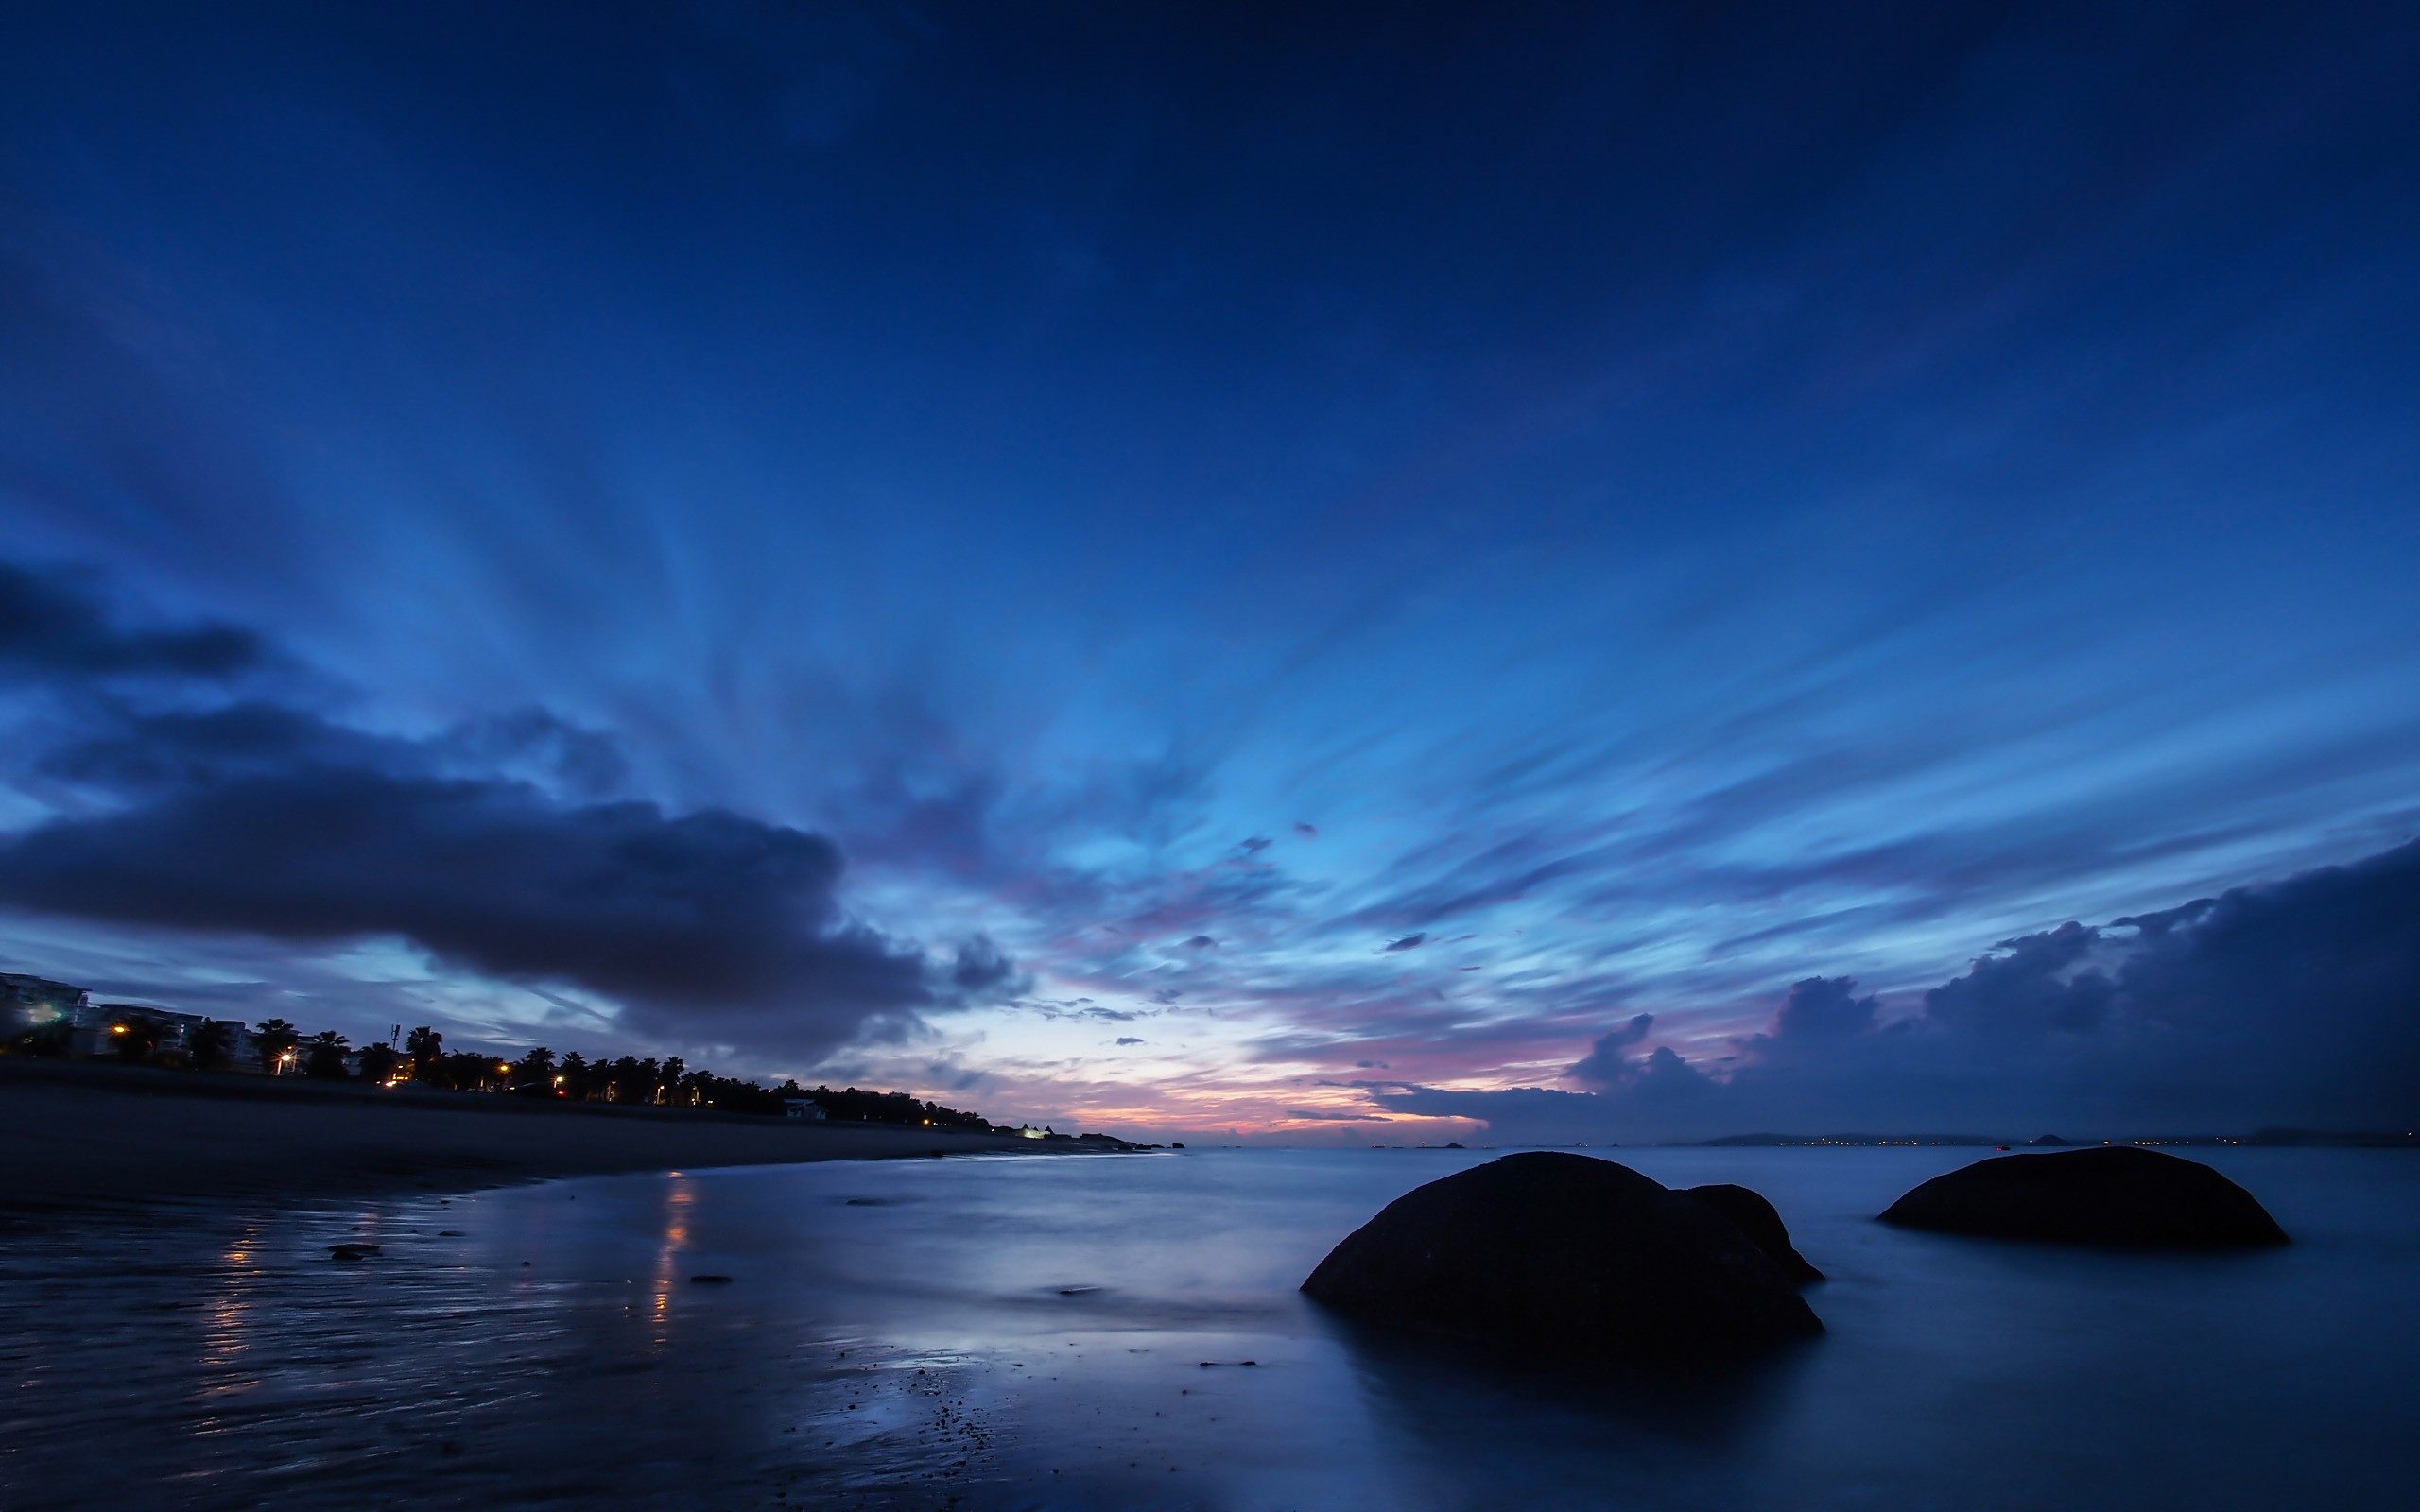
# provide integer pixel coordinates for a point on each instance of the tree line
(671, 1082)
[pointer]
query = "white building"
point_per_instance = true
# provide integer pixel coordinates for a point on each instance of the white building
(30, 1005)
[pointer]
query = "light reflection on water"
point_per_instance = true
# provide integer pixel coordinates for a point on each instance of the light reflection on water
(1124, 1333)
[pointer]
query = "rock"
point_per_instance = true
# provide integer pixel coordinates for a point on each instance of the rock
(2116, 1195)
(354, 1250)
(1753, 1216)
(1568, 1254)
(709, 1281)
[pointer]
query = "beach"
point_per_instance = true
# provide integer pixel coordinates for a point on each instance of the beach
(100, 1138)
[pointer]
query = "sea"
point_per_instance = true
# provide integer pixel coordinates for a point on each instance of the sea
(1124, 1332)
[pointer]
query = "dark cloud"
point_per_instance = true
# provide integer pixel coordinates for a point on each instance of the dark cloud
(1129, 1039)
(255, 819)
(982, 970)
(55, 625)
(1409, 942)
(1825, 1008)
(708, 924)
(1255, 845)
(1081, 1008)
(1605, 1065)
(1200, 942)
(2290, 1002)
(1309, 831)
(582, 762)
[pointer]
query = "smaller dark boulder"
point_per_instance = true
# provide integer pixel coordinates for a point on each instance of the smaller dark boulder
(1753, 1215)
(2116, 1195)
(354, 1250)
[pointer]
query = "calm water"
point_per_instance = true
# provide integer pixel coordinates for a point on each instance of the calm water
(1065, 1334)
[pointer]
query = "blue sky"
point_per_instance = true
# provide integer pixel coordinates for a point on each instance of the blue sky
(1632, 509)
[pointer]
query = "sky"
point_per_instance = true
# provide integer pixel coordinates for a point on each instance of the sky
(1331, 575)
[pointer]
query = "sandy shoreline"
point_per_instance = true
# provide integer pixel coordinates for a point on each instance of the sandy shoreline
(88, 1138)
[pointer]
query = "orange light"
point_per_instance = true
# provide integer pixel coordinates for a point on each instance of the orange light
(117, 1028)
(503, 1066)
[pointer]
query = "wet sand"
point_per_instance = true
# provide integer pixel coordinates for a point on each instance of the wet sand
(101, 1137)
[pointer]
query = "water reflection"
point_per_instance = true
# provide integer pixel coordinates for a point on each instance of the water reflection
(1073, 1334)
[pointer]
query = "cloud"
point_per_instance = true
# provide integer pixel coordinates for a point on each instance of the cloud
(1255, 845)
(1200, 942)
(1605, 1065)
(1127, 1040)
(55, 625)
(2289, 1002)
(1409, 942)
(707, 924)
(984, 969)
(1309, 831)
(945, 1075)
(259, 820)
(1825, 1008)
(552, 749)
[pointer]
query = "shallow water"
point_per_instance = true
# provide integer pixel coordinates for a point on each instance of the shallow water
(1124, 1333)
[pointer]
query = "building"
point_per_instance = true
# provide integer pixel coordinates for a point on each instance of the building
(35, 1005)
(94, 1034)
(804, 1107)
(60, 1019)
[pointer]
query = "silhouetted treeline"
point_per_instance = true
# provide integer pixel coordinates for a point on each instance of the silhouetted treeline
(669, 1082)
(140, 1036)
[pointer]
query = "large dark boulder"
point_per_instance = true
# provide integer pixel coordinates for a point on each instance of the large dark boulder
(1567, 1255)
(2118, 1195)
(1753, 1215)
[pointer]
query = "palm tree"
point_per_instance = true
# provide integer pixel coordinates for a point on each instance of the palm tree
(209, 1044)
(273, 1039)
(327, 1054)
(377, 1062)
(624, 1075)
(424, 1045)
(674, 1069)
